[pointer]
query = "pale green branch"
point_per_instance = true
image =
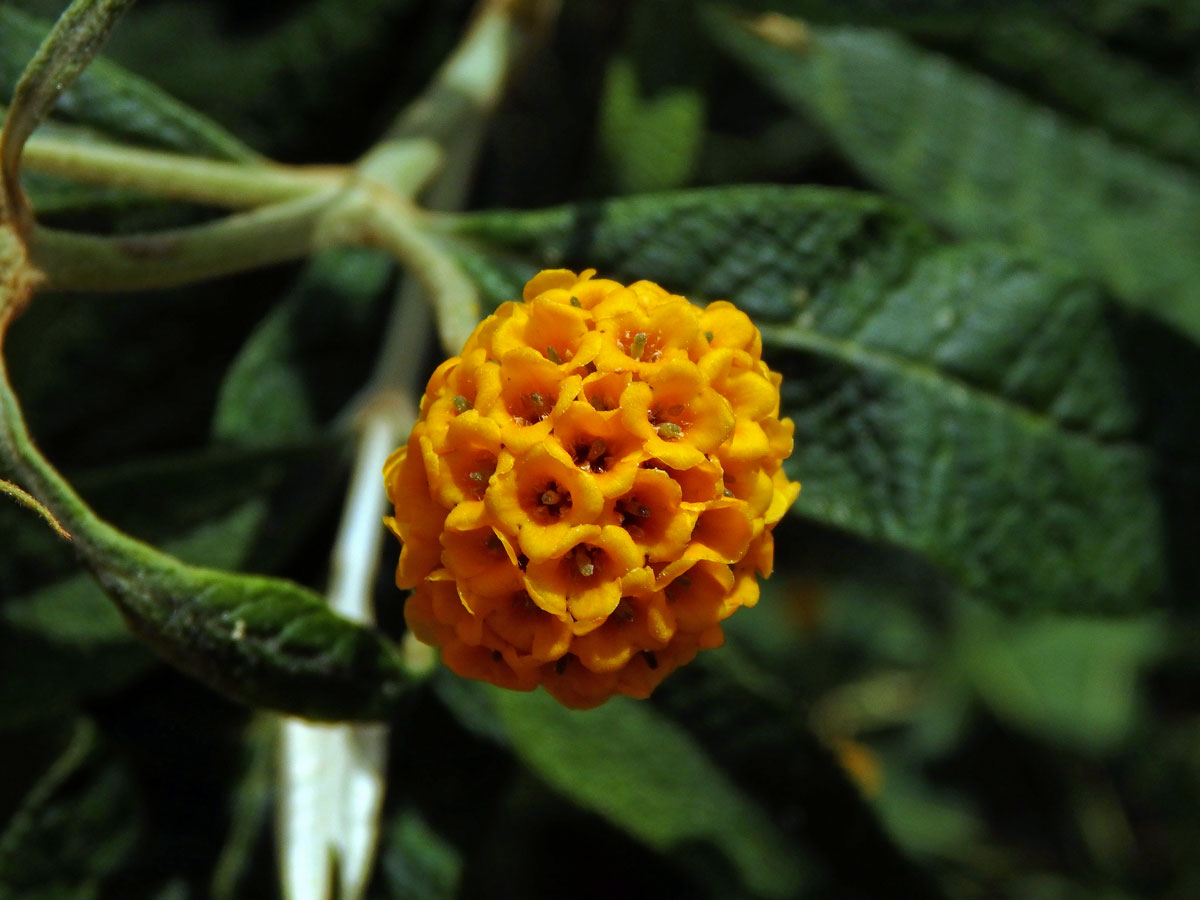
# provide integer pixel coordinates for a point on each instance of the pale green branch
(171, 175)
(454, 296)
(272, 234)
(76, 37)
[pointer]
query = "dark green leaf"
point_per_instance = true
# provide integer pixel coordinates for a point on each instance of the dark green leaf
(67, 641)
(1077, 73)
(304, 361)
(282, 77)
(114, 101)
(72, 42)
(754, 725)
(77, 825)
(250, 808)
(1073, 681)
(41, 679)
(773, 249)
(965, 404)
(263, 641)
(266, 642)
(418, 864)
(981, 160)
(175, 348)
(52, 196)
(645, 775)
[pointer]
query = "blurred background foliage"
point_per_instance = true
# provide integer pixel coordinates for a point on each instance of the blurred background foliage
(973, 673)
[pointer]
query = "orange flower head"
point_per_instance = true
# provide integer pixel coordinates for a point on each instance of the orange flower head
(590, 488)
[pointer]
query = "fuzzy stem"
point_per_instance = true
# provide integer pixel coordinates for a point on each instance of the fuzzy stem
(172, 175)
(271, 234)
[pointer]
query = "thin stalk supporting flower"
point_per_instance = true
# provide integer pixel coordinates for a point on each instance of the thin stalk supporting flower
(591, 488)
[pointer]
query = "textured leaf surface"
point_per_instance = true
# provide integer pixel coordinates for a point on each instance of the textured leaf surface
(981, 160)
(1078, 73)
(264, 641)
(963, 403)
(112, 100)
(644, 774)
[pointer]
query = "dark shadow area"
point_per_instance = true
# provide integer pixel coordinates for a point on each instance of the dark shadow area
(1162, 370)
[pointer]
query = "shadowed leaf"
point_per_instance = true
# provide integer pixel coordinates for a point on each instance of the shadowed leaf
(981, 160)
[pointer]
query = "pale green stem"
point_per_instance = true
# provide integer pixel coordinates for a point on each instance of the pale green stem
(454, 296)
(206, 181)
(271, 234)
(76, 37)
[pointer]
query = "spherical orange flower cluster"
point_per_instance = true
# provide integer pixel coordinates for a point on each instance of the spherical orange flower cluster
(590, 488)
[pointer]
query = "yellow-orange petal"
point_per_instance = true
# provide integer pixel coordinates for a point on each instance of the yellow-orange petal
(533, 390)
(480, 563)
(749, 482)
(460, 462)
(785, 495)
(740, 379)
(540, 496)
(730, 327)
(584, 580)
(723, 532)
(679, 417)
(575, 686)
(560, 332)
(549, 279)
(652, 514)
(590, 488)
(606, 454)
(418, 518)
(530, 636)
(487, 664)
(697, 597)
(640, 338)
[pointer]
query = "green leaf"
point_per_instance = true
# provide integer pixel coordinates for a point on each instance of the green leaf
(1078, 73)
(61, 58)
(753, 722)
(966, 404)
(114, 101)
(285, 77)
(67, 641)
(77, 825)
(52, 196)
(645, 775)
(174, 350)
(650, 142)
(263, 641)
(305, 360)
(775, 250)
(417, 862)
(981, 160)
(1073, 680)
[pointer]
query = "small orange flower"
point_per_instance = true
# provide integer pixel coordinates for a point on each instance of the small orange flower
(590, 488)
